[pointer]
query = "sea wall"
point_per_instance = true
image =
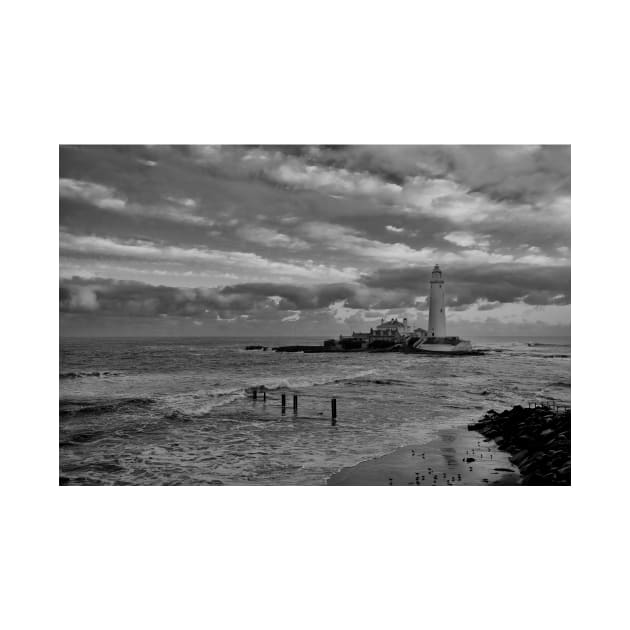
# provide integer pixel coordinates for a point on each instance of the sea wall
(538, 440)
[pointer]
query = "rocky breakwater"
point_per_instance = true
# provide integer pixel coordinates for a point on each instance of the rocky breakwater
(538, 440)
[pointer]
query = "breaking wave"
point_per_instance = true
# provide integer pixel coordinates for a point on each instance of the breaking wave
(72, 408)
(300, 382)
(200, 403)
(64, 375)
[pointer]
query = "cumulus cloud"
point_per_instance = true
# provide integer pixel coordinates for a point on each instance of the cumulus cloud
(107, 198)
(98, 195)
(139, 299)
(467, 239)
(270, 238)
(141, 250)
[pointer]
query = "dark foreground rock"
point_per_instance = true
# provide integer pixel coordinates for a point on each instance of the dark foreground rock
(538, 440)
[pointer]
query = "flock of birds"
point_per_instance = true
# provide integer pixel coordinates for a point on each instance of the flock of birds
(434, 477)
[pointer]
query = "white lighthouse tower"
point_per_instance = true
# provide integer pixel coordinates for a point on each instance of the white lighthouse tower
(436, 340)
(437, 316)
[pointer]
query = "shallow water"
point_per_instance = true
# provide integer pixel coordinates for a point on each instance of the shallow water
(180, 411)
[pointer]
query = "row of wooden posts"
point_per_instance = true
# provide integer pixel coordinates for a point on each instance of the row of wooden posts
(283, 404)
(548, 405)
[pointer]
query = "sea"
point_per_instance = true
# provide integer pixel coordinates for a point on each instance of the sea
(181, 411)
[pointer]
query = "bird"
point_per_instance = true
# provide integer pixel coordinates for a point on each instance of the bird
(390, 481)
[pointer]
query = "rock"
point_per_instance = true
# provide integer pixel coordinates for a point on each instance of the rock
(538, 440)
(470, 459)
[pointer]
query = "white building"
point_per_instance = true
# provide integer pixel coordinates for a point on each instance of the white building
(392, 329)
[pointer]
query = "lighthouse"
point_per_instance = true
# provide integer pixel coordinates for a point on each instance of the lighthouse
(436, 341)
(437, 316)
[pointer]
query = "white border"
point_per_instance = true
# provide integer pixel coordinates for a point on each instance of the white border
(402, 72)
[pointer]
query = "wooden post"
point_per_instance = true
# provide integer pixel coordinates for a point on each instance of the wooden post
(265, 396)
(333, 409)
(284, 400)
(254, 394)
(294, 403)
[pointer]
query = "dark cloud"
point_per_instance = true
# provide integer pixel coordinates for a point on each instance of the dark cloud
(497, 283)
(108, 296)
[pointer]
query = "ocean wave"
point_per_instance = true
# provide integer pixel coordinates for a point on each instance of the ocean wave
(187, 406)
(556, 356)
(73, 408)
(65, 375)
(106, 467)
(552, 345)
(81, 438)
(301, 382)
(200, 403)
(371, 381)
(560, 384)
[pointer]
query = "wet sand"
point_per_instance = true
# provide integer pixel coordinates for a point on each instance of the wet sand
(457, 457)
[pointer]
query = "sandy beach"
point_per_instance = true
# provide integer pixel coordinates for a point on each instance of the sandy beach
(457, 457)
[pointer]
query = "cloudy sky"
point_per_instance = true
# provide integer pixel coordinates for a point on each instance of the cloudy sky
(312, 240)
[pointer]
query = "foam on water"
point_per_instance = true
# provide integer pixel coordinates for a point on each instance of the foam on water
(183, 413)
